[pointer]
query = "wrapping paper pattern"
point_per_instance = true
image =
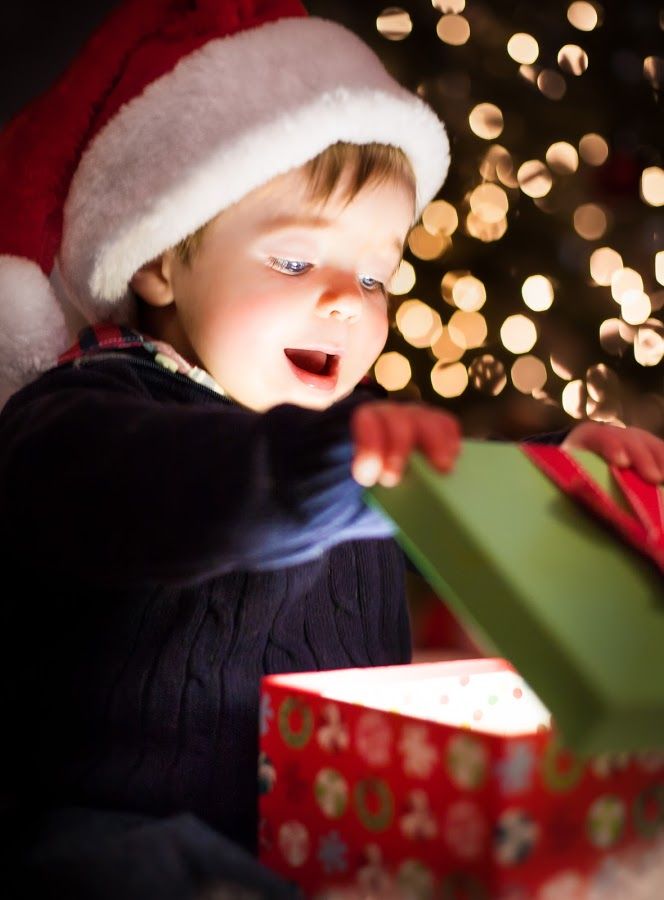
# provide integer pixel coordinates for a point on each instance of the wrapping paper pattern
(361, 798)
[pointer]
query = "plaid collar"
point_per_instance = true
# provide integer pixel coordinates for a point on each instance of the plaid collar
(106, 336)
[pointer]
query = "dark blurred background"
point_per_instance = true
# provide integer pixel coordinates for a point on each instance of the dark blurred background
(584, 111)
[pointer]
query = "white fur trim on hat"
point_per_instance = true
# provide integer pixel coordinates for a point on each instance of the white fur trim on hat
(32, 324)
(228, 118)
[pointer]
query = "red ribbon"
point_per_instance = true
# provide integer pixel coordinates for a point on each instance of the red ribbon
(643, 527)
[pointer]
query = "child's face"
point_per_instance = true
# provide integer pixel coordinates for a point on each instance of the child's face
(277, 273)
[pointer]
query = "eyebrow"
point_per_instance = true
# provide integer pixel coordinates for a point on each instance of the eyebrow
(281, 223)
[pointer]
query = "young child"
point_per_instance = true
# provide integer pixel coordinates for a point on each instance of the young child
(221, 190)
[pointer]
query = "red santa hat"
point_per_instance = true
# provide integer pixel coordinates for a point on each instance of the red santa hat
(171, 112)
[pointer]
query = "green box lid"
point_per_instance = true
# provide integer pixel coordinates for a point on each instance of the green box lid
(578, 612)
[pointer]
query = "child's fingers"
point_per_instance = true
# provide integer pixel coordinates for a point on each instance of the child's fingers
(400, 431)
(369, 441)
(644, 460)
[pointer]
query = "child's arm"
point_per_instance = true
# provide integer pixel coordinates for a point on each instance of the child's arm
(623, 447)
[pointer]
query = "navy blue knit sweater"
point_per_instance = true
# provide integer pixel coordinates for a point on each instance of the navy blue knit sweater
(167, 548)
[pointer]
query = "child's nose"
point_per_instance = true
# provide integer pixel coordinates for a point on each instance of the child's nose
(341, 297)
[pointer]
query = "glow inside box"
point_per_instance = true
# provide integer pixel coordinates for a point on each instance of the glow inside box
(445, 780)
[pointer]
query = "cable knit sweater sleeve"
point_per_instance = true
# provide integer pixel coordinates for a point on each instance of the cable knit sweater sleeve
(101, 478)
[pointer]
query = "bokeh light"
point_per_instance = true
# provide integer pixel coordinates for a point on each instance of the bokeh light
(652, 186)
(623, 281)
(392, 371)
(489, 202)
(394, 23)
(449, 6)
(635, 307)
(449, 380)
(603, 263)
(593, 149)
(590, 221)
(562, 158)
(403, 279)
(523, 48)
(426, 245)
(574, 399)
(418, 323)
(487, 374)
(440, 217)
(518, 334)
(537, 292)
(582, 15)
(551, 84)
(445, 349)
(573, 59)
(453, 30)
(534, 178)
(659, 266)
(649, 343)
(528, 374)
(467, 329)
(486, 121)
(469, 293)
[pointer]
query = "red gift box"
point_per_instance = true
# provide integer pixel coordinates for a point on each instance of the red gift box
(447, 780)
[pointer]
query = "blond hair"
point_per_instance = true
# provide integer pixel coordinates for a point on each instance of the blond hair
(363, 163)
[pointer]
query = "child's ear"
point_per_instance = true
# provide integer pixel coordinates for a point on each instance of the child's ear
(152, 282)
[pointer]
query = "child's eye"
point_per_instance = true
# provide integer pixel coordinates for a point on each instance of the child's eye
(371, 284)
(289, 266)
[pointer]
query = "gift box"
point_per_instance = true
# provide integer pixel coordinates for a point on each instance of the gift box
(447, 780)
(555, 561)
(463, 780)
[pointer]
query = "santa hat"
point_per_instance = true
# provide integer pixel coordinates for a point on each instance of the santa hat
(171, 112)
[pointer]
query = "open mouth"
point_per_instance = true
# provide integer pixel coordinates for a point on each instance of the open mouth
(314, 367)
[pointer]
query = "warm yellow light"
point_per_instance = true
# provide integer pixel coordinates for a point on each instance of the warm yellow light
(392, 371)
(483, 230)
(449, 6)
(623, 281)
(453, 30)
(537, 292)
(610, 336)
(486, 121)
(469, 293)
(574, 399)
(523, 48)
(582, 15)
(551, 84)
(635, 307)
(426, 245)
(652, 186)
(449, 380)
(414, 318)
(440, 217)
(534, 178)
(573, 59)
(560, 369)
(590, 221)
(403, 279)
(419, 324)
(529, 73)
(659, 266)
(497, 163)
(467, 329)
(489, 202)
(394, 23)
(487, 374)
(593, 149)
(603, 263)
(528, 374)
(447, 284)
(562, 158)
(649, 344)
(518, 334)
(653, 70)
(445, 349)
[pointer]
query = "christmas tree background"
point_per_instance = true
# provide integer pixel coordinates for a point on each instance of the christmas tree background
(594, 86)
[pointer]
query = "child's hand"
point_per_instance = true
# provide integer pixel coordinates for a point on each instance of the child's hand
(384, 434)
(623, 447)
